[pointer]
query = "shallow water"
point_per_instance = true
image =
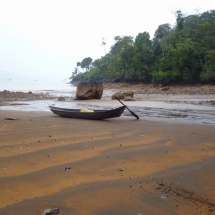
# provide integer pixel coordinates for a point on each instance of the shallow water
(156, 110)
(189, 108)
(178, 114)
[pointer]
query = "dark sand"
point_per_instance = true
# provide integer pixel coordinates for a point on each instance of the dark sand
(119, 166)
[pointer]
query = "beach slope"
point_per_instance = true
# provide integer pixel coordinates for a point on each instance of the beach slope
(118, 166)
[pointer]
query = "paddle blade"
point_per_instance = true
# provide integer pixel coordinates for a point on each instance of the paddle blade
(135, 115)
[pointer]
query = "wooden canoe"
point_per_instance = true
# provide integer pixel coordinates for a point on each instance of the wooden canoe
(95, 114)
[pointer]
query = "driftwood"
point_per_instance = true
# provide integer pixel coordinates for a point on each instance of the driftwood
(10, 118)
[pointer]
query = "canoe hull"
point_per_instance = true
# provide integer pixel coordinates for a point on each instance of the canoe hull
(96, 115)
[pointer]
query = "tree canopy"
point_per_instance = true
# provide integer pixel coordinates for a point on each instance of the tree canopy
(180, 54)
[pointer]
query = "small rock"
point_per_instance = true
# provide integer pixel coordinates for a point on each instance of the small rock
(46, 212)
(54, 211)
(67, 168)
(10, 118)
(61, 98)
(51, 211)
(165, 88)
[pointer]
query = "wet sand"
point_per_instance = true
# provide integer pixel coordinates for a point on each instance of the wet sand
(190, 104)
(118, 166)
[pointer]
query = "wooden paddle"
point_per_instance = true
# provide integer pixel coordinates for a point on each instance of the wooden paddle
(135, 115)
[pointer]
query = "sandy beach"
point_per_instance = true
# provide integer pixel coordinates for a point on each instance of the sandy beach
(117, 166)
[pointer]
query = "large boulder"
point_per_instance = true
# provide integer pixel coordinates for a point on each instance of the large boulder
(128, 95)
(119, 95)
(89, 90)
(61, 99)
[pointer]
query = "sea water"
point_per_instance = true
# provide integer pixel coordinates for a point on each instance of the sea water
(35, 85)
(54, 88)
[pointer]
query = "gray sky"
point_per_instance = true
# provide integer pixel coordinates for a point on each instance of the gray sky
(46, 38)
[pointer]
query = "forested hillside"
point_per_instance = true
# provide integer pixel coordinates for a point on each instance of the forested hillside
(182, 54)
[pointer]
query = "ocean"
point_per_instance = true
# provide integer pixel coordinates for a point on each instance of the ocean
(53, 88)
(34, 85)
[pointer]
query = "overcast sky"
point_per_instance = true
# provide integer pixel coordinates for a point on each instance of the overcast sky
(46, 38)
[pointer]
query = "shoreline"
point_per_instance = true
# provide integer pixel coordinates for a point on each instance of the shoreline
(190, 104)
(153, 168)
(169, 89)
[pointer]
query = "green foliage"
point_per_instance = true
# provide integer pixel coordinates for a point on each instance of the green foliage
(179, 20)
(183, 53)
(162, 31)
(85, 63)
(208, 75)
(161, 77)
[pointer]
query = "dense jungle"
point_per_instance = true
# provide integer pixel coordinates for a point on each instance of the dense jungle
(179, 54)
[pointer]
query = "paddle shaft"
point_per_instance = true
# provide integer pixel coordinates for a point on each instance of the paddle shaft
(135, 115)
